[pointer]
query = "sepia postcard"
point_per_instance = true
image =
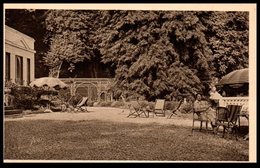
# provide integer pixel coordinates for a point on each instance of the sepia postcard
(159, 83)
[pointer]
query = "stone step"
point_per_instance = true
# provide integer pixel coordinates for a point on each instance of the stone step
(13, 111)
(8, 107)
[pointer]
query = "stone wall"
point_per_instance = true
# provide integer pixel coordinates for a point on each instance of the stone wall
(97, 89)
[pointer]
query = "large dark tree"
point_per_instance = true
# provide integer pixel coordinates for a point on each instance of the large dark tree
(72, 40)
(143, 48)
(159, 53)
(228, 38)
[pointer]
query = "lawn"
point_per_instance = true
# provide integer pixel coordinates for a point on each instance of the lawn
(101, 140)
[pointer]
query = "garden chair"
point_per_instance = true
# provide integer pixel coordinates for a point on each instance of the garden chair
(159, 108)
(176, 109)
(227, 118)
(136, 109)
(81, 103)
(196, 118)
(221, 114)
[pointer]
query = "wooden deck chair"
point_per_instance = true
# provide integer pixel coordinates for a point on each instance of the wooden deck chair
(158, 107)
(229, 124)
(135, 108)
(81, 103)
(142, 109)
(176, 109)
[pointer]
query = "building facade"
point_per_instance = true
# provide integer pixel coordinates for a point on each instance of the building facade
(19, 57)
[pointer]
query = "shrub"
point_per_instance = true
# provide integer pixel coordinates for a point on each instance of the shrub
(64, 95)
(105, 104)
(25, 97)
(143, 103)
(90, 103)
(169, 105)
(96, 104)
(187, 108)
(117, 104)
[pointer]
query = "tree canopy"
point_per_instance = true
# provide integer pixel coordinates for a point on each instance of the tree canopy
(71, 38)
(156, 54)
(159, 53)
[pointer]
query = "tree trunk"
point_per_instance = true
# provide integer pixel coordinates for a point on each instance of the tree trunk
(58, 70)
(55, 71)
(93, 71)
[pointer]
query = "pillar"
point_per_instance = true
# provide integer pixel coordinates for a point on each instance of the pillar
(32, 67)
(13, 67)
(25, 71)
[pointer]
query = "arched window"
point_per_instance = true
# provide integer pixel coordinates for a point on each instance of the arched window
(19, 70)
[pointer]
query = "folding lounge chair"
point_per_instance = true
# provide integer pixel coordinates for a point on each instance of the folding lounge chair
(136, 110)
(232, 114)
(158, 108)
(82, 102)
(141, 110)
(176, 109)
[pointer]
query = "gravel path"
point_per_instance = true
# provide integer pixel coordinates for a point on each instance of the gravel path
(106, 114)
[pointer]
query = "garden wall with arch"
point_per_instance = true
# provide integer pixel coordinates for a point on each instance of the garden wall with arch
(96, 89)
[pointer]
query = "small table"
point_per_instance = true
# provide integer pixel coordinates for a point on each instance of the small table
(246, 115)
(243, 114)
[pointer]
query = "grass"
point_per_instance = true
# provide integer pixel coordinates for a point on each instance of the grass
(98, 140)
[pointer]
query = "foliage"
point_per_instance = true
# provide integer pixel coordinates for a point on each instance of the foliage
(187, 108)
(170, 105)
(167, 53)
(155, 54)
(228, 38)
(105, 104)
(144, 49)
(143, 103)
(90, 103)
(25, 97)
(70, 38)
(64, 95)
(118, 104)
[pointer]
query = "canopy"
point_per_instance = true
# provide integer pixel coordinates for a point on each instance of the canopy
(235, 77)
(50, 82)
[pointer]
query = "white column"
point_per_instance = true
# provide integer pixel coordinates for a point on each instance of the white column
(25, 71)
(12, 67)
(32, 67)
(111, 96)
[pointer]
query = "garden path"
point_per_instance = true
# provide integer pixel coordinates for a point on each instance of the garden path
(108, 114)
